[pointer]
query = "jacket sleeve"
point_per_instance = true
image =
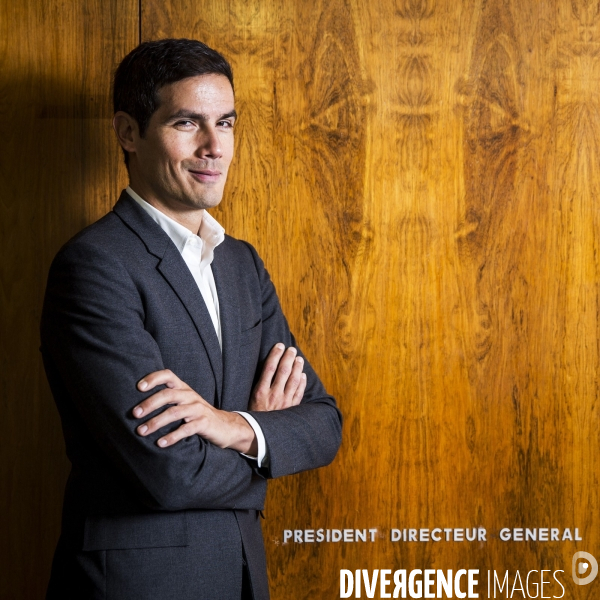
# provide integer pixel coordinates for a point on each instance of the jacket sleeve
(302, 437)
(95, 350)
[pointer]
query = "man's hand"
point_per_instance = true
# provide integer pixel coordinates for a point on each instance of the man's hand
(282, 382)
(281, 385)
(222, 428)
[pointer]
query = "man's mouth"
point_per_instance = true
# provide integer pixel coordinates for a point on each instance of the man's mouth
(205, 175)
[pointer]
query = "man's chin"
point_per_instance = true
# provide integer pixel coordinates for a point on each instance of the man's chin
(202, 201)
(210, 203)
(206, 198)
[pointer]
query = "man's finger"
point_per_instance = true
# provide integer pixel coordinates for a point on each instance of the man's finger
(299, 393)
(186, 430)
(293, 381)
(270, 367)
(159, 399)
(164, 377)
(284, 369)
(171, 415)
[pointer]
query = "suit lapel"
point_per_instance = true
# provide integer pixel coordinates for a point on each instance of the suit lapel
(229, 311)
(173, 268)
(175, 271)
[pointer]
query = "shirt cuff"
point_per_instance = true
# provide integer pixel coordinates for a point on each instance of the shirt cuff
(260, 438)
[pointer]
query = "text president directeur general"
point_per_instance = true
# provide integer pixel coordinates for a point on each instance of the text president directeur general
(156, 329)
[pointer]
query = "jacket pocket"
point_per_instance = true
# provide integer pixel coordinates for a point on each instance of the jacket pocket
(251, 335)
(158, 530)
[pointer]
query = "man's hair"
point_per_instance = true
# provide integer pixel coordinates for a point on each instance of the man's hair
(153, 65)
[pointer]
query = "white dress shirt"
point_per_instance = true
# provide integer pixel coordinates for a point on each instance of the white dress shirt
(198, 252)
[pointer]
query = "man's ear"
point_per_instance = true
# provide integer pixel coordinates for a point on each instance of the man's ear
(127, 130)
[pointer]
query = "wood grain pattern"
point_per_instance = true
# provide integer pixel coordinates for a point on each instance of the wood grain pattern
(420, 177)
(59, 170)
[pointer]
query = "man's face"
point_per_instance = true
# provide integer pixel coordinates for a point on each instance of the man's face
(183, 159)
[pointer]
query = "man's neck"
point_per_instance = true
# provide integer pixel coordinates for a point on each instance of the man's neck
(190, 218)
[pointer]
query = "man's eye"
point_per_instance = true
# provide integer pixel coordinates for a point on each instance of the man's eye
(184, 123)
(226, 124)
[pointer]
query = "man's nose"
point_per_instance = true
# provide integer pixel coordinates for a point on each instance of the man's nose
(210, 145)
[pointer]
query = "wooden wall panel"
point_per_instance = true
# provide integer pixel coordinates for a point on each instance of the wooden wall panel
(59, 171)
(420, 177)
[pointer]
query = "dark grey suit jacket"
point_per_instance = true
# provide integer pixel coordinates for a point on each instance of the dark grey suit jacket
(140, 521)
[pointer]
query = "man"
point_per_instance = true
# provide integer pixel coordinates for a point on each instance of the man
(156, 329)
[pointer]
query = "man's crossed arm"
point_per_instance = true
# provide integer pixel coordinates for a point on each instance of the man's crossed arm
(281, 385)
(100, 335)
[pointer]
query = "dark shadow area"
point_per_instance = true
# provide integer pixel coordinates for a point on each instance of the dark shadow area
(58, 168)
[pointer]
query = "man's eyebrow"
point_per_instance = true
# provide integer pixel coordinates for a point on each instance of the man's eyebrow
(186, 114)
(229, 115)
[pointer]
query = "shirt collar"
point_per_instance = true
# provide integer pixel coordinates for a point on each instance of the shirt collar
(211, 232)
